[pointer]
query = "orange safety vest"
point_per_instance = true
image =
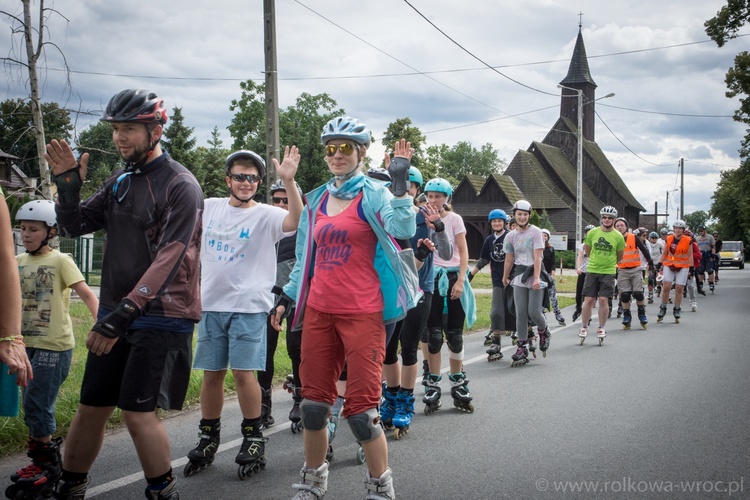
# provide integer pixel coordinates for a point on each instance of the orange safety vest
(681, 257)
(631, 257)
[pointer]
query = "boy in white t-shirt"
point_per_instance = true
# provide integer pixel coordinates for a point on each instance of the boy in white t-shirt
(238, 271)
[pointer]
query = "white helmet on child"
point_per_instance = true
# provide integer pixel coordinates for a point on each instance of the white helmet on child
(39, 210)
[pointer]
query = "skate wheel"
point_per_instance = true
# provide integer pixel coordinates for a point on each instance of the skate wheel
(601, 341)
(10, 491)
(396, 433)
(361, 456)
(534, 353)
(582, 339)
(189, 470)
(296, 427)
(544, 354)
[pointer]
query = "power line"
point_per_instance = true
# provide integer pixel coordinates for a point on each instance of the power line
(474, 56)
(625, 145)
(664, 113)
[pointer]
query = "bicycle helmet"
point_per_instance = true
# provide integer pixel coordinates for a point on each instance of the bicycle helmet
(588, 228)
(259, 163)
(522, 205)
(679, 223)
(439, 185)
(663, 231)
(511, 220)
(279, 186)
(497, 214)
(623, 219)
(415, 176)
(546, 231)
(379, 173)
(653, 234)
(140, 106)
(346, 127)
(608, 210)
(38, 210)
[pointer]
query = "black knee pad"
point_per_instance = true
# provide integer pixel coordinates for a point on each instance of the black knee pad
(625, 297)
(315, 414)
(638, 296)
(455, 340)
(435, 339)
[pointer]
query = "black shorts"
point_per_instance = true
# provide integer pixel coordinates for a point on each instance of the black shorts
(145, 369)
(599, 285)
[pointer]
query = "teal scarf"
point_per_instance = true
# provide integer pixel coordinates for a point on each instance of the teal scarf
(349, 189)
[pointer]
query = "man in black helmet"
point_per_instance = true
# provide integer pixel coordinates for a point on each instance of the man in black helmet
(140, 348)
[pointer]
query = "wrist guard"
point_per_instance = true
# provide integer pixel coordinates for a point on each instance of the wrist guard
(69, 186)
(422, 252)
(399, 170)
(439, 226)
(117, 323)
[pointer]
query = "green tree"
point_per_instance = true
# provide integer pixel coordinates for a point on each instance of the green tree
(17, 132)
(696, 219)
(299, 125)
(732, 196)
(403, 128)
(178, 140)
(211, 162)
(103, 157)
(545, 222)
(462, 159)
(535, 219)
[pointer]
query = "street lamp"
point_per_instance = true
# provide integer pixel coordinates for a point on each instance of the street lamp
(579, 160)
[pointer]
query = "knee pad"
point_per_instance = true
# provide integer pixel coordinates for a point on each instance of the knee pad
(625, 297)
(366, 425)
(638, 296)
(455, 341)
(435, 339)
(315, 415)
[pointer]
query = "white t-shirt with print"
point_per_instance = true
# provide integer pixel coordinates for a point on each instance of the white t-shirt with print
(238, 256)
(522, 245)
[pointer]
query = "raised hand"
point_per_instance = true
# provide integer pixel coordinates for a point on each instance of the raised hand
(61, 159)
(288, 166)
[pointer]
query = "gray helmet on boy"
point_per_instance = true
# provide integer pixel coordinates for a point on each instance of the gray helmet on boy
(279, 186)
(259, 163)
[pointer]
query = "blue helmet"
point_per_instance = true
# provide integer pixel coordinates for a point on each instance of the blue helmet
(497, 214)
(346, 127)
(439, 185)
(415, 176)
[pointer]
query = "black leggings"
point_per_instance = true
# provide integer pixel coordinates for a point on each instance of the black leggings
(456, 314)
(408, 332)
(293, 347)
(579, 291)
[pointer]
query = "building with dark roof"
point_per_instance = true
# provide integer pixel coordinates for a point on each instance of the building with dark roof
(545, 174)
(12, 178)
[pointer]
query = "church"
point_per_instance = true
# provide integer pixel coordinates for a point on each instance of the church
(545, 173)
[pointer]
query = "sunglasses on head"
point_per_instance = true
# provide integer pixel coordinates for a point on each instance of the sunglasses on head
(281, 200)
(251, 178)
(345, 148)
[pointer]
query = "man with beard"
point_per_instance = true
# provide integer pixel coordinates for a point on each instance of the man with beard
(140, 347)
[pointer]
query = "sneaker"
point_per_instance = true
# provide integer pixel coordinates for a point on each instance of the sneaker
(693, 306)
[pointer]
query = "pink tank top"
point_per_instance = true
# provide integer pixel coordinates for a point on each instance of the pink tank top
(344, 278)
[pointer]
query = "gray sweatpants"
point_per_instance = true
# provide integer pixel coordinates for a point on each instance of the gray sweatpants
(528, 306)
(497, 310)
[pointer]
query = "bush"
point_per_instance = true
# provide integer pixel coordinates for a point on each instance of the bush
(568, 257)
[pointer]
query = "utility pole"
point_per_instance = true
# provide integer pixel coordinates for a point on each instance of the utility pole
(272, 94)
(682, 188)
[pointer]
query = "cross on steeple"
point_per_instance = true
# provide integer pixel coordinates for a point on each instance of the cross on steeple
(580, 20)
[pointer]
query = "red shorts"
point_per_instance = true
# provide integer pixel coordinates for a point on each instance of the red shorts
(329, 340)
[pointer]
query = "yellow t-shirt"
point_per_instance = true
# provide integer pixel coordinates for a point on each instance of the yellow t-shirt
(45, 299)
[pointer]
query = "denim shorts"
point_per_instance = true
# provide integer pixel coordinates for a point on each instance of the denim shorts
(50, 371)
(231, 340)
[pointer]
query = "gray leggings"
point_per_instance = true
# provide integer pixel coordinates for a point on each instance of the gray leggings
(528, 306)
(497, 311)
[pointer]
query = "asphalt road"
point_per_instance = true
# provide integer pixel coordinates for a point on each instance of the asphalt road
(656, 413)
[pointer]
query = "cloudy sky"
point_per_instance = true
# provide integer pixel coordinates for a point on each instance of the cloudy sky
(383, 60)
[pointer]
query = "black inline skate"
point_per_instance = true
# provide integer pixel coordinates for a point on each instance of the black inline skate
(677, 312)
(266, 408)
(431, 397)
(209, 438)
(72, 490)
(662, 313)
(521, 356)
(544, 338)
(295, 414)
(493, 352)
(460, 392)
(38, 479)
(251, 457)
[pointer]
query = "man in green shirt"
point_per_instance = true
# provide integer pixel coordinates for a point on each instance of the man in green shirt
(604, 246)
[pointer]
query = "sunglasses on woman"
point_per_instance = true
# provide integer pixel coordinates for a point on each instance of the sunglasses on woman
(280, 200)
(345, 148)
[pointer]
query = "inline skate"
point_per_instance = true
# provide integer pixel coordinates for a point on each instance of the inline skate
(521, 356)
(404, 413)
(642, 316)
(460, 392)
(251, 457)
(626, 319)
(601, 333)
(544, 338)
(38, 479)
(677, 312)
(314, 483)
(493, 352)
(431, 397)
(662, 313)
(209, 438)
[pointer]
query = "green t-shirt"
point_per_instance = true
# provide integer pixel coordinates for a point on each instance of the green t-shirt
(604, 247)
(45, 293)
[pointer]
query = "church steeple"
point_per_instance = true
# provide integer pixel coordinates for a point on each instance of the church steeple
(579, 77)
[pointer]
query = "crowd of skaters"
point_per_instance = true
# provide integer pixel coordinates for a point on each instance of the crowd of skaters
(384, 240)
